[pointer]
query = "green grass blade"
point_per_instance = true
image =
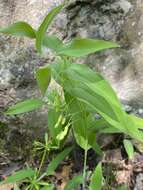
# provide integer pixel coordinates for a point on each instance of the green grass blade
(22, 29)
(25, 106)
(57, 160)
(74, 183)
(18, 176)
(96, 179)
(45, 24)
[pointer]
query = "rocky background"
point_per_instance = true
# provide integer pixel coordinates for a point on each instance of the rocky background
(116, 20)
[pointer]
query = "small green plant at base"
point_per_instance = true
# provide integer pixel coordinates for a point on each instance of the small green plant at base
(84, 94)
(32, 178)
(122, 188)
(129, 148)
(97, 178)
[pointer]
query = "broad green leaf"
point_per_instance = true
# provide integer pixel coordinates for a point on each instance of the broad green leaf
(43, 27)
(57, 160)
(83, 77)
(19, 29)
(138, 122)
(102, 126)
(102, 105)
(52, 42)
(96, 179)
(80, 121)
(91, 94)
(84, 93)
(80, 47)
(135, 127)
(25, 106)
(129, 148)
(18, 176)
(74, 183)
(110, 130)
(75, 81)
(43, 77)
(100, 97)
(122, 188)
(95, 83)
(95, 92)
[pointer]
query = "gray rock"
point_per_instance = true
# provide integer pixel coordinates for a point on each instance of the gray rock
(139, 182)
(128, 108)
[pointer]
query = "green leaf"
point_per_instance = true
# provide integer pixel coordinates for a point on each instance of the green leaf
(80, 120)
(96, 93)
(138, 122)
(74, 183)
(110, 130)
(57, 160)
(43, 77)
(93, 142)
(45, 24)
(122, 188)
(136, 126)
(18, 176)
(99, 96)
(19, 29)
(96, 179)
(49, 187)
(80, 47)
(52, 42)
(75, 80)
(129, 148)
(55, 116)
(25, 106)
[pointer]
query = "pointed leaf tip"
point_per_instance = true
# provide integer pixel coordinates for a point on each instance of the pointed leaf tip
(44, 26)
(22, 29)
(25, 106)
(81, 47)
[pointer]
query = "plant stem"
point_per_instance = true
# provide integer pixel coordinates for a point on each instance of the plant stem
(84, 167)
(42, 161)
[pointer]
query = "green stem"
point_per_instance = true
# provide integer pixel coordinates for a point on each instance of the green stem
(42, 161)
(84, 167)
